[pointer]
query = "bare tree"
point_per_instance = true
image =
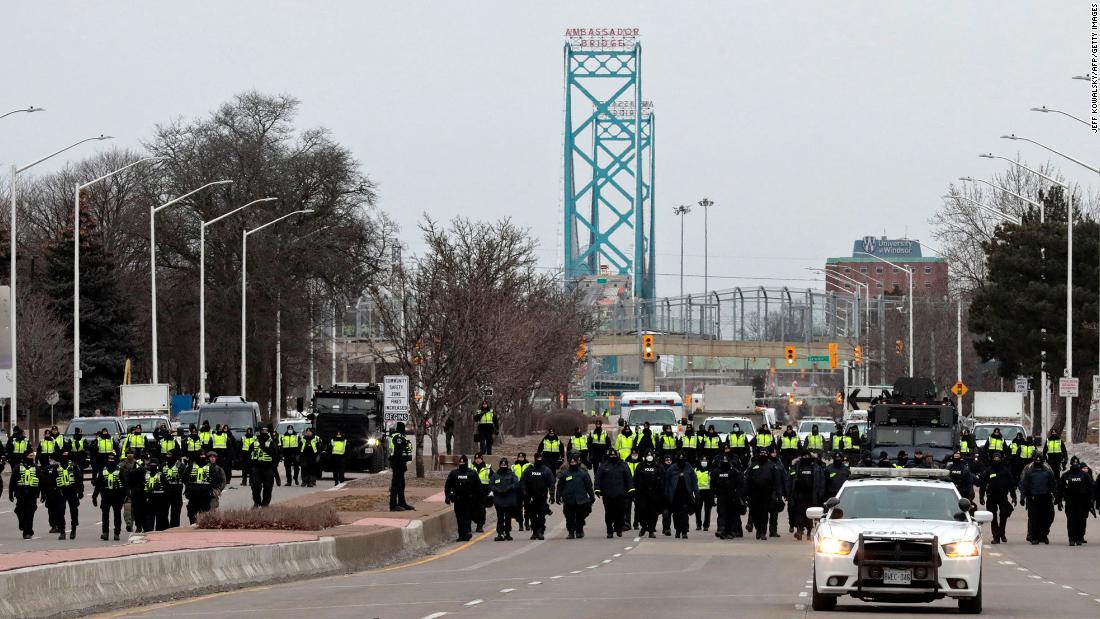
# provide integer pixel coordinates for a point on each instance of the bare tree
(45, 352)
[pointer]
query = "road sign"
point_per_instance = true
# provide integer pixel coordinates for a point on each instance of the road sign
(817, 358)
(959, 389)
(52, 397)
(1021, 384)
(487, 392)
(1095, 387)
(590, 394)
(396, 390)
(1068, 387)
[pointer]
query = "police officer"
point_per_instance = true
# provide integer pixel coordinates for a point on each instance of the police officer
(995, 442)
(166, 444)
(648, 494)
(199, 487)
(705, 503)
(615, 485)
(788, 446)
(483, 471)
(575, 494)
(24, 491)
(172, 474)
(222, 443)
(463, 490)
(738, 442)
(1037, 487)
(289, 442)
(78, 449)
(206, 437)
(265, 460)
(248, 441)
(578, 444)
(551, 449)
(133, 475)
(996, 485)
(519, 466)
(487, 426)
(537, 482)
(1055, 453)
(67, 481)
(625, 442)
(710, 445)
(806, 489)
(815, 442)
(763, 440)
(630, 521)
(763, 487)
(960, 475)
(646, 441)
(835, 475)
(667, 443)
(156, 497)
(14, 452)
(598, 443)
(727, 494)
(337, 453)
(309, 456)
(665, 505)
(193, 446)
(681, 493)
(400, 455)
(967, 446)
(689, 445)
(110, 491)
(1075, 493)
(853, 447)
(507, 498)
(841, 442)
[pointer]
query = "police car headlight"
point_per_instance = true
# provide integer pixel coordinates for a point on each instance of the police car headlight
(372, 442)
(833, 546)
(964, 548)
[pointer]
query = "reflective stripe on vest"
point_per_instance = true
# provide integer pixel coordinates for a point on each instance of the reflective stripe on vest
(78, 444)
(486, 417)
(483, 475)
(598, 438)
(151, 481)
(19, 447)
(737, 440)
(204, 436)
(624, 445)
(247, 442)
(105, 446)
(815, 441)
(28, 477)
(193, 445)
(788, 442)
(259, 454)
(579, 443)
(764, 440)
(221, 441)
(711, 442)
(1027, 451)
(290, 441)
(47, 446)
(199, 474)
(995, 444)
(64, 477)
(703, 479)
(172, 475)
(668, 441)
(137, 441)
(112, 479)
(167, 445)
(518, 469)
(1054, 446)
(551, 445)
(964, 447)
(689, 442)
(338, 447)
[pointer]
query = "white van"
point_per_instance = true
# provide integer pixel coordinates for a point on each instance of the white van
(659, 408)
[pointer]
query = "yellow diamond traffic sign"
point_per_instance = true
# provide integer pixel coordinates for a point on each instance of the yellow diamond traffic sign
(959, 389)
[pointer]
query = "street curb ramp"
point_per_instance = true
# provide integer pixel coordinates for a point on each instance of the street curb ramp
(83, 587)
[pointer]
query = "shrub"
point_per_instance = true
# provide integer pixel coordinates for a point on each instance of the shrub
(563, 422)
(282, 517)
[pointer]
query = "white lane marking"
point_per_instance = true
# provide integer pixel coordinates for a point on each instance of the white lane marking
(1007, 562)
(1048, 582)
(575, 572)
(507, 590)
(1081, 593)
(434, 616)
(1022, 569)
(1096, 599)
(637, 539)
(617, 555)
(473, 602)
(607, 560)
(535, 582)
(591, 567)
(1034, 576)
(629, 548)
(1066, 587)
(809, 582)
(555, 577)
(802, 594)
(800, 607)
(807, 586)
(995, 554)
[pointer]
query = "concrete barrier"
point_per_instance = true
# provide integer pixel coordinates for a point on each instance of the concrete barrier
(83, 587)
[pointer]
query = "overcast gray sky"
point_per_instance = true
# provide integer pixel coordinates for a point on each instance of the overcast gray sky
(809, 126)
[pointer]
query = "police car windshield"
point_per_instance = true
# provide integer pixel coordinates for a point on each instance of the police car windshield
(92, 426)
(148, 424)
(655, 417)
(936, 437)
(1009, 433)
(357, 406)
(901, 501)
(824, 427)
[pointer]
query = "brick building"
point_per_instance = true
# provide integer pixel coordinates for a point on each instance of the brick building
(929, 273)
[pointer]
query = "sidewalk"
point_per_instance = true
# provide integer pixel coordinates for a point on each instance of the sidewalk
(167, 564)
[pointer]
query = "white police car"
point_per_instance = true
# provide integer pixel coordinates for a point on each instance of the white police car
(898, 535)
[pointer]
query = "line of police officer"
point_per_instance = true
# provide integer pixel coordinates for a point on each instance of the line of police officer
(146, 489)
(661, 474)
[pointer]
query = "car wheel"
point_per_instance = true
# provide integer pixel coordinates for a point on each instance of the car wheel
(820, 601)
(972, 606)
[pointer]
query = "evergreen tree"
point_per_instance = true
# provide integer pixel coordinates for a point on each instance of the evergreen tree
(106, 325)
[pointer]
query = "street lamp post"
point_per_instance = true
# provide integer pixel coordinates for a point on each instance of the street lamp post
(682, 210)
(153, 210)
(244, 288)
(76, 275)
(706, 203)
(202, 292)
(989, 209)
(12, 321)
(29, 109)
(909, 274)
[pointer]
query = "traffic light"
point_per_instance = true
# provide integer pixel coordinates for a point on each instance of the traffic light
(834, 354)
(899, 346)
(582, 349)
(790, 355)
(859, 354)
(647, 348)
(790, 398)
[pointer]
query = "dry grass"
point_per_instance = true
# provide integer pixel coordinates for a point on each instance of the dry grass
(361, 503)
(280, 517)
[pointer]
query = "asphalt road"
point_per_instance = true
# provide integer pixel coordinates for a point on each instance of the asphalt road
(87, 534)
(628, 577)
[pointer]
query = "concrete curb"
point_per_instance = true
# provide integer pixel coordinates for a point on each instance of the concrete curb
(83, 587)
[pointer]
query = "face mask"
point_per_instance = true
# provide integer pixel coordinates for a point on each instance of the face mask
(736, 428)
(703, 465)
(576, 435)
(649, 458)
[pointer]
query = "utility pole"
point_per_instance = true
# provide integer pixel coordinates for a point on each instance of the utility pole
(706, 203)
(682, 210)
